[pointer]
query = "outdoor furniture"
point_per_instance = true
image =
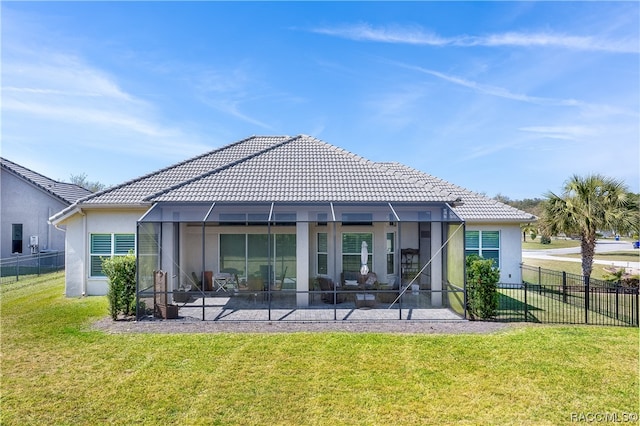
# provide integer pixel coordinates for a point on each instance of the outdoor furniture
(196, 281)
(162, 308)
(365, 300)
(328, 288)
(388, 293)
(255, 285)
(222, 281)
(279, 283)
(208, 281)
(370, 281)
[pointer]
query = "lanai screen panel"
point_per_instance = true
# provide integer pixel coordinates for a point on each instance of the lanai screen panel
(278, 212)
(424, 212)
(174, 212)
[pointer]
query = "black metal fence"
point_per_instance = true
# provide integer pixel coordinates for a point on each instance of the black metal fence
(15, 267)
(558, 297)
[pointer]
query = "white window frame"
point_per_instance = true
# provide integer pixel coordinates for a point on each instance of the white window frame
(481, 249)
(357, 252)
(93, 255)
(325, 253)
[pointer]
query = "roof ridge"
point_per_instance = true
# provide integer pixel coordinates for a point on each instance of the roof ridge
(164, 169)
(465, 190)
(14, 168)
(223, 167)
(418, 181)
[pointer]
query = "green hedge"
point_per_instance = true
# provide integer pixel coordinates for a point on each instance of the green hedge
(482, 289)
(121, 271)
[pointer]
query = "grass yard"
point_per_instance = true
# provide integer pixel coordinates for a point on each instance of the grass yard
(568, 267)
(622, 256)
(555, 244)
(55, 370)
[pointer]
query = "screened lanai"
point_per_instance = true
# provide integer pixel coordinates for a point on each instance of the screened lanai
(301, 261)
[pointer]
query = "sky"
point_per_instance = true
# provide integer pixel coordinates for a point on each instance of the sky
(508, 98)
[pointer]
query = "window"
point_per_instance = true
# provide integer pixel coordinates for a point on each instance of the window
(391, 253)
(485, 244)
(323, 253)
(109, 245)
(16, 238)
(351, 250)
(247, 255)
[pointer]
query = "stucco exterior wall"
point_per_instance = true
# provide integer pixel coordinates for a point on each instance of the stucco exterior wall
(79, 228)
(21, 202)
(510, 249)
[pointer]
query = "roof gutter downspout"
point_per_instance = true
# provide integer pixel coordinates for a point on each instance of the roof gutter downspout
(86, 253)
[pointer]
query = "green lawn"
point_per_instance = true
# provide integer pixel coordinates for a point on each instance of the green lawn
(568, 267)
(56, 371)
(622, 256)
(536, 245)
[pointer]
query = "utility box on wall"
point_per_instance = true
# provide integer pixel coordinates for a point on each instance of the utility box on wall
(33, 244)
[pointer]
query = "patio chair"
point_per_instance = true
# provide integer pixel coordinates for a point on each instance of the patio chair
(327, 286)
(196, 281)
(222, 281)
(279, 283)
(255, 285)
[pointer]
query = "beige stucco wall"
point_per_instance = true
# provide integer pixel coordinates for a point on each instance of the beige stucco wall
(510, 249)
(79, 227)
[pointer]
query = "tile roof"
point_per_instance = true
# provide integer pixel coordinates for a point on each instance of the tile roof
(475, 207)
(138, 190)
(302, 169)
(293, 169)
(66, 192)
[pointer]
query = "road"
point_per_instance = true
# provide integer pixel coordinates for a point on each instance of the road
(602, 246)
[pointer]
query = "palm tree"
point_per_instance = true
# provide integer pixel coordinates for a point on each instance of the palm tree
(588, 204)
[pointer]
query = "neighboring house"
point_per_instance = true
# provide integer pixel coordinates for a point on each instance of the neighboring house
(27, 200)
(293, 209)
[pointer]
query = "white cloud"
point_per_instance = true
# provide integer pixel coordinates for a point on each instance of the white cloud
(61, 91)
(417, 36)
(228, 90)
(504, 93)
(561, 132)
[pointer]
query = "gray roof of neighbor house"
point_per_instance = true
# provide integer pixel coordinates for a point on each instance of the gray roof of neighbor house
(66, 192)
(474, 207)
(280, 169)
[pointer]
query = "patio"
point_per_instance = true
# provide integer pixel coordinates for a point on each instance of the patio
(301, 261)
(382, 305)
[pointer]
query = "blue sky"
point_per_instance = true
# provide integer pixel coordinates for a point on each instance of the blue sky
(498, 97)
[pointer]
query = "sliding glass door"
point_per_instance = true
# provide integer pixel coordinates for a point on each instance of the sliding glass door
(248, 256)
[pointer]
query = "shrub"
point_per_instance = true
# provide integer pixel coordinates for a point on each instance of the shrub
(482, 289)
(121, 272)
(545, 239)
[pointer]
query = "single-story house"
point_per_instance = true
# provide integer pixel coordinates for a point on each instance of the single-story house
(27, 200)
(289, 210)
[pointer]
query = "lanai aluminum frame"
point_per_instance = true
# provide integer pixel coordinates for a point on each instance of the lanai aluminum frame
(188, 239)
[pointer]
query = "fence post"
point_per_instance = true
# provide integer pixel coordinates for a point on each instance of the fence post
(637, 306)
(526, 306)
(586, 300)
(617, 300)
(564, 286)
(18, 267)
(539, 280)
